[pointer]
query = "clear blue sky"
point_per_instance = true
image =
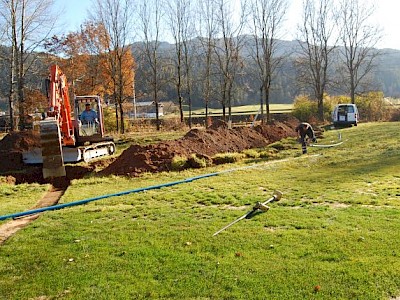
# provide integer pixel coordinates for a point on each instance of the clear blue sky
(387, 17)
(74, 12)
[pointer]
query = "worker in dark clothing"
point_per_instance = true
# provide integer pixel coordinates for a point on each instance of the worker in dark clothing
(305, 130)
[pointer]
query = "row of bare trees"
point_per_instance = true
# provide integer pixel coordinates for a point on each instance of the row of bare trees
(330, 31)
(24, 25)
(218, 30)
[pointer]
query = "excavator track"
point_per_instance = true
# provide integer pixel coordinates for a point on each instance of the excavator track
(53, 163)
(98, 150)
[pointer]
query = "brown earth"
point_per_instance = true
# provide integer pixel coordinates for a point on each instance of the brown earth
(150, 158)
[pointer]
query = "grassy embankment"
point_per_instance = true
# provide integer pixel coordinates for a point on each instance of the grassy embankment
(336, 228)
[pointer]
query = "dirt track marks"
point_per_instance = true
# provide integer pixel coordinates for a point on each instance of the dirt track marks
(50, 198)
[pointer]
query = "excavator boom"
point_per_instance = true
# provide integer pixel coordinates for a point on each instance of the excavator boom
(56, 130)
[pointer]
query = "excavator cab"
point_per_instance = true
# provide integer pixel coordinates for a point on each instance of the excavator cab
(88, 120)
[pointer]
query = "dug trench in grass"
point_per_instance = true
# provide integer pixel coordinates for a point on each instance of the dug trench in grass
(329, 145)
(153, 187)
(53, 195)
(306, 133)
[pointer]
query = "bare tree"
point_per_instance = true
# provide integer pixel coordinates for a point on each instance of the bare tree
(189, 51)
(177, 14)
(208, 28)
(28, 24)
(267, 19)
(227, 51)
(359, 38)
(9, 23)
(317, 45)
(150, 16)
(116, 17)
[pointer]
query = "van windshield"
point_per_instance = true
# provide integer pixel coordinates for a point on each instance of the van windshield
(346, 109)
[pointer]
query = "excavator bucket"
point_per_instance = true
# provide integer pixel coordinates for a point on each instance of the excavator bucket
(53, 163)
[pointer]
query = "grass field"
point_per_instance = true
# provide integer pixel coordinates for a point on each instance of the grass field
(244, 109)
(334, 235)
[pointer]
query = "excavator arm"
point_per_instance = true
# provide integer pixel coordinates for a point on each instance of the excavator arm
(56, 130)
(59, 104)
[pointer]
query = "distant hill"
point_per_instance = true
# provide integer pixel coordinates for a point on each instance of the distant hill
(386, 75)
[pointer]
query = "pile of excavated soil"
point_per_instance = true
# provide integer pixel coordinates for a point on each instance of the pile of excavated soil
(12, 146)
(20, 141)
(12, 166)
(151, 158)
(155, 158)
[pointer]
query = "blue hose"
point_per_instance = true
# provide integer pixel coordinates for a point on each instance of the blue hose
(84, 201)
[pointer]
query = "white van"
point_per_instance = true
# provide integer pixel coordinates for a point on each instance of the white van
(345, 115)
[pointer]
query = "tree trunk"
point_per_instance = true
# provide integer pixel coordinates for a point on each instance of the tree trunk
(116, 115)
(11, 98)
(266, 92)
(121, 114)
(321, 109)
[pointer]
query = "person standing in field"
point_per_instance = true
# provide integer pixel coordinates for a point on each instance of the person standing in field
(305, 130)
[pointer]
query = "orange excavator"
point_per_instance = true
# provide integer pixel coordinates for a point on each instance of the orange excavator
(63, 138)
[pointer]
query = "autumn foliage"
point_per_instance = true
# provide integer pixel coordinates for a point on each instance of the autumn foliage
(84, 56)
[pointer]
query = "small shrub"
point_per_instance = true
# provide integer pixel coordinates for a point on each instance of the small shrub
(178, 163)
(304, 108)
(7, 180)
(110, 123)
(373, 107)
(395, 115)
(284, 144)
(270, 153)
(251, 153)
(209, 121)
(198, 161)
(173, 123)
(226, 158)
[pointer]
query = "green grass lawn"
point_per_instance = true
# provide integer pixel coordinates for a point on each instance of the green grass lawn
(16, 198)
(337, 227)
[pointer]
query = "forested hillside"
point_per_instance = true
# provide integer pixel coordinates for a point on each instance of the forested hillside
(385, 76)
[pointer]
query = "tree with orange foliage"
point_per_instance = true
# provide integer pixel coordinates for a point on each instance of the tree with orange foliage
(94, 66)
(79, 54)
(116, 18)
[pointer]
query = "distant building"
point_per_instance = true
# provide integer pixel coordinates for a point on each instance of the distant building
(146, 110)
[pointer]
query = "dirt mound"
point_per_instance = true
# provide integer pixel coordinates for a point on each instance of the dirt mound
(156, 158)
(11, 148)
(20, 141)
(151, 158)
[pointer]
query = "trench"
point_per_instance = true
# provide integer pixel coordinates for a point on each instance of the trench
(53, 195)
